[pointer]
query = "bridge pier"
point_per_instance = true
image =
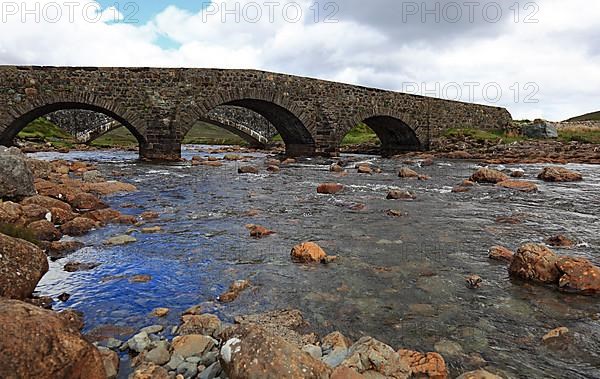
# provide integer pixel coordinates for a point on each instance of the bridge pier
(163, 151)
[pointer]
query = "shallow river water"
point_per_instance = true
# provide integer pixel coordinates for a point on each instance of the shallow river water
(401, 280)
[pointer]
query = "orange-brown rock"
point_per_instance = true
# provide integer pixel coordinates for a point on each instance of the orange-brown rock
(429, 365)
(535, 263)
(86, 201)
(488, 175)
(519, 185)
(149, 215)
(499, 253)
(60, 249)
(578, 275)
(560, 241)
(257, 231)
(22, 265)
(46, 202)
(364, 169)
(400, 195)
(369, 354)
(203, 324)
(11, 213)
(234, 291)
(44, 230)
(34, 212)
(559, 174)
(104, 216)
(346, 373)
(251, 352)
(79, 226)
(37, 343)
(330, 188)
(150, 371)
(406, 172)
(308, 252)
(61, 216)
(109, 188)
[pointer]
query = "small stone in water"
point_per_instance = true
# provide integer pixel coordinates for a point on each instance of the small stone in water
(474, 281)
(152, 329)
(120, 240)
(64, 297)
(556, 333)
(140, 279)
(160, 312)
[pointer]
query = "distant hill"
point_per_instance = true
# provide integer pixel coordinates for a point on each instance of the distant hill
(594, 116)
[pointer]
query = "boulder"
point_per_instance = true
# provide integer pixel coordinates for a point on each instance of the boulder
(79, 226)
(406, 172)
(192, 345)
(519, 185)
(429, 365)
(400, 195)
(93, 176)
(44, 230)
(540, 129)
(499, 253)
(204, 324)
(37, 343)
(560, 241)
(578, 275)
(336, 167)
(33, 212)
(364, 169)
(248, 170)
(104, 216)
(308, 252)
(11, 213)
(535, 263)
(22, 265)
(46, 202)
(60, 249)
(488, 175)
(330, 188)
(335, 340)
(369, 354)
(86, 201)
(252, 353)
(60, 216)
(110, 360)
(16, 179)
(559, 174)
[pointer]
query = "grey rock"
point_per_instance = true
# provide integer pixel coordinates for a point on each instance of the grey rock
(209, 358)
(314, 351)
(152, 329)
(16, 179)
(113, 343)
(159, 355)
(336, 357)
(139, 343)
(195, 360)
(540, 129)
(187, 369)
(175, 361)
(93, 176)
(211, 371)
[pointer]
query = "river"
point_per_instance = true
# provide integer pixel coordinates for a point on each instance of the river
(401, 280)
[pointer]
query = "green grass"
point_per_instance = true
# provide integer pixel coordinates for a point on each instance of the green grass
(200, 134)
(594, 116)
(43, 130)
(585, 135)
(360, 134)
(482, 135)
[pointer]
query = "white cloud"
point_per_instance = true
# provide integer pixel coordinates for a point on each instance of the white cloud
(559, 54)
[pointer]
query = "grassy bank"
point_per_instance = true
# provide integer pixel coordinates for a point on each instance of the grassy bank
(565, 134)
(42, 130)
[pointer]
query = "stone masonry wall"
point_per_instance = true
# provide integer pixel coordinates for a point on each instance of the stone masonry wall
(159, 106)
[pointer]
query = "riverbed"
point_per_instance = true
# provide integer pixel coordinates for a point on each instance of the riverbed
(398, 279)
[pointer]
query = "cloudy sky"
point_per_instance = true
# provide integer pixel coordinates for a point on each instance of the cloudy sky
(538, 59)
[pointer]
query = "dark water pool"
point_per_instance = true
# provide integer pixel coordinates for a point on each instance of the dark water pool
(400, 280)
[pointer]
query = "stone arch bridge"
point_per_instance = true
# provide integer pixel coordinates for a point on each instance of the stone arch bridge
(160, 105)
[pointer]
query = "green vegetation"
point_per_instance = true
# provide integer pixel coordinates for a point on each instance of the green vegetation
(594, 116)
(207, 134)
(482, 135)
(201, 134)
(120, 137)
(579, 134)
(42, 130)
(18, 232)
(360, 134)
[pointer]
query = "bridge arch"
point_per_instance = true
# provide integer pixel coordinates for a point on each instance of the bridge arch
(293, 125)
(393, 130)
(23, 114)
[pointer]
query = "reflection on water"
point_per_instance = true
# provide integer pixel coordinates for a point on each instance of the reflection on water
(398, 279)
